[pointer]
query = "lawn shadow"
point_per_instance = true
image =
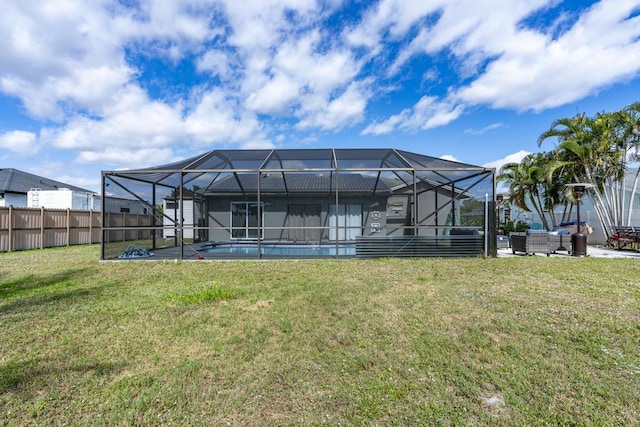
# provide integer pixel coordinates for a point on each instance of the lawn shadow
(36, 290)
(28, 283)
(20, 375)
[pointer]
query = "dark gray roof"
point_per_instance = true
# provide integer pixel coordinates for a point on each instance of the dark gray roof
(20, 182)
(298, 160)
(297, 182)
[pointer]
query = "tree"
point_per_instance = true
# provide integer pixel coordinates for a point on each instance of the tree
(590, 150)
(527, 185)
(630, 121)
(595, 150)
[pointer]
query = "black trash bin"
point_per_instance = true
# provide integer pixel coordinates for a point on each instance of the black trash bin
(579, 244)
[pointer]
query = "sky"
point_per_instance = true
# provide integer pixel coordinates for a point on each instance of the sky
(99, 85)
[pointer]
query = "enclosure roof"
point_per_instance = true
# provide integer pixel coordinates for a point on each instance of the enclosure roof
(302, 160)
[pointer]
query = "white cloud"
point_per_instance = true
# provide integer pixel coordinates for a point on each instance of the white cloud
(217, 119)
(275, 96)
(427, 113)
(132, 158)
(344, 110)
(216, 62)
(600, 49)
(484, 130)
(20, 142)
(305, 81)
(395, 17)
(126, 133)
(58, 55)
(511, 158)
(261, 24)
(449, 157)
(526, 68)
(472, 31)
(133, 120)
(92, 184)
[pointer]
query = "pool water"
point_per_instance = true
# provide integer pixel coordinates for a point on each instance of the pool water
(279, 250)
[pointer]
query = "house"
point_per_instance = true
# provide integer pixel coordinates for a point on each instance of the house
(336, 197)
(23, 189)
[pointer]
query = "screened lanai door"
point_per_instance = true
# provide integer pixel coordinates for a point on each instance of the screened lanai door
(347, 224)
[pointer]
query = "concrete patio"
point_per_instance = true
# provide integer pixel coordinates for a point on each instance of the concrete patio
(592, 251)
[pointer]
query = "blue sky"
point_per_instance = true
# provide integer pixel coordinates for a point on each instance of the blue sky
(96, 85)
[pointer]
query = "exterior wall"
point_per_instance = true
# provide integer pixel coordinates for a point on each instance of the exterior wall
(188, 219)
(381, 215)
(434, 208)
(15, 200)
(275, 215)
(63, 199)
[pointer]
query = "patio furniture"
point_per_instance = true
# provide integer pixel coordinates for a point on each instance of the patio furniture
(539, 241)
(502, 242)
(626, 238)
(559, 242)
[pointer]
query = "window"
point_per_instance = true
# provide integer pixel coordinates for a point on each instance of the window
(244, 220)
(125, 210)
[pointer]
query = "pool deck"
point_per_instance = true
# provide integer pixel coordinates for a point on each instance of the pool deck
(191, 254)
(592, 251)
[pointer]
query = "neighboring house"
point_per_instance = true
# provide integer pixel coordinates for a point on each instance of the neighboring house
(23, 189)
(125, 205)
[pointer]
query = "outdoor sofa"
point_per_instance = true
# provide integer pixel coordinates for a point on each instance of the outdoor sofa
(540, 241)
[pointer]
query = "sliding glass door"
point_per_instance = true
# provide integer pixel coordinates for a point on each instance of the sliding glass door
(346, 224)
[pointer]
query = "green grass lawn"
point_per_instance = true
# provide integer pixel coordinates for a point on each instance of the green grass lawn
(506, 341)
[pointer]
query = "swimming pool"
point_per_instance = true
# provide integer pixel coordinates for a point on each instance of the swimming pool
(280, 249)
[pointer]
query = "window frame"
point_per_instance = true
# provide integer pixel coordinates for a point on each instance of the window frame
(247, 226)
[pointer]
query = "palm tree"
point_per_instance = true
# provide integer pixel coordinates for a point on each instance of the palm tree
(631, 125)
(526, 183)
(588, 151)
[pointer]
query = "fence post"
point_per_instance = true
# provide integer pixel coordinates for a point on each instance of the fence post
(42, 227)
(68, 226)
(10, 228)
(90, 226)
